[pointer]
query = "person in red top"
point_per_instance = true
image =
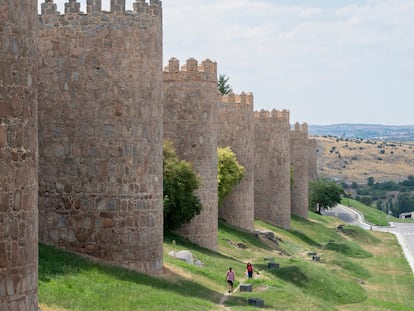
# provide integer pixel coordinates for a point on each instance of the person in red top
(230, 279)
(249, 270)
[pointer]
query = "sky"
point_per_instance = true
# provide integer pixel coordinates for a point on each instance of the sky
(326, 61)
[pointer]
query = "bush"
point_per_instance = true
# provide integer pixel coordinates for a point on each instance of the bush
(179, 184)
(230, 172)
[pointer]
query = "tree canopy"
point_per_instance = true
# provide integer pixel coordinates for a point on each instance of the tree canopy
(324, 194)
(230, 172)
(179, 184)
(223, 84)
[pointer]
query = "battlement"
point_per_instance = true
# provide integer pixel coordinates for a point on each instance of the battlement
(276, 115)
(242, 100)
(301, 128)
(191, 70)
(140, 7)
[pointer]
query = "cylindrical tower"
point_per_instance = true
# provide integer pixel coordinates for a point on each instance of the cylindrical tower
(18, 156)
(236, 130)
(190, 122)
(300, 153)
(100, 133)
(272, 167)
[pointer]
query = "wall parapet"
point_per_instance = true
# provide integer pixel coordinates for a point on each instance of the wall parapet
(238, 101)
(140, 7)
(301, 128)
(280, 116)
(191, 70)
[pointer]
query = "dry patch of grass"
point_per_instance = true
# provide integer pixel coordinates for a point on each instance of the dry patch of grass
(356, 160)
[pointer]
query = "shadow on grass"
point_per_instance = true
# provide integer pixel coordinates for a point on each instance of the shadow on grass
(292, 274)
(348, 249)
(55, 263)
(300, 235)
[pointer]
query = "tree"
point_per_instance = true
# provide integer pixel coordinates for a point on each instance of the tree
(324, 195)
(370, 181)
(223, 84)
(179, 184)
(230, 172)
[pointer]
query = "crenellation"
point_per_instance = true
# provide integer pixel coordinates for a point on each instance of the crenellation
(238, 101)
(72, 7)
(83, 159)
(49, 8)
(236, 130)
(93, 6)
(191, 70)
(272, 167)
(117, 5)
(140, 8)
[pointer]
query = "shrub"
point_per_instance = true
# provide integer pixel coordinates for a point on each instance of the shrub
(179, 184)
(230, 172)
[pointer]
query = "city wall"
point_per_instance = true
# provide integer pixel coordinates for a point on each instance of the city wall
(299, 151)
(272, 167)
(18, 156)
(100, 133)
(190, 122)
(236, 130)
(84, 107)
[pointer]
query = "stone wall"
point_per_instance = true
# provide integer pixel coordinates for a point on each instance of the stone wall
(190, 122)
(313, 159)
(299, 150)
(18, 156)
(272, 167)
(100, 132)
(236, 130)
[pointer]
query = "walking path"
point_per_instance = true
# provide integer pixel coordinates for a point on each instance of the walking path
(403, 231)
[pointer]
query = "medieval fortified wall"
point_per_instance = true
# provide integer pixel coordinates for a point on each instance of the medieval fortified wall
(272, 167)
(299, 149)
(18, 155)
(84, 108)
(100, 133)
(236, 130)
(190, 122)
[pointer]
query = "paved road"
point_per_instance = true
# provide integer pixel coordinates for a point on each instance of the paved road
(403, 231)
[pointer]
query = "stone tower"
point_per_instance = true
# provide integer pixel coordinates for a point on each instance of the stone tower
(18, 156)
(272, 167)
(236, 130)
(190, 122)
(313, 159)
(100, 133)
(299, 150)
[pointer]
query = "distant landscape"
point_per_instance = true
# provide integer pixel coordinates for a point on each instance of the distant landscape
(374, 164)
(396, 133)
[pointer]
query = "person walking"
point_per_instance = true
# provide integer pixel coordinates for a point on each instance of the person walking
(230, 279)
(249, 270)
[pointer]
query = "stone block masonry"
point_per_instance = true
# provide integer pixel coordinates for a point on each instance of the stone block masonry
(100, 133)
(190, 122)
(272, 167)
(18, 156)
(300, 150)
(236, 130)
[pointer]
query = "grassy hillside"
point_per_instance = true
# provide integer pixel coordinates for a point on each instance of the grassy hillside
(357, 270)
(353, 160)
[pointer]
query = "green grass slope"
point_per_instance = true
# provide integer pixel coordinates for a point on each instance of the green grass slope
(357, 270)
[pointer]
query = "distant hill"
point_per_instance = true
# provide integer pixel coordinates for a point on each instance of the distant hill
(396, 133)
(354, 160)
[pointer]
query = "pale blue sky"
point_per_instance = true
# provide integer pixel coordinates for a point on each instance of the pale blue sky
(327, 61)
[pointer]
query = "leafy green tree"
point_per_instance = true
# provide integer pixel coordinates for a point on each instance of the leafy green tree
(179, 184)
(230, 172)
(324, 194)
(223, 84)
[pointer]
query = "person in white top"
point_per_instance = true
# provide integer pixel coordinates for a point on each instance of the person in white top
(230, 279)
